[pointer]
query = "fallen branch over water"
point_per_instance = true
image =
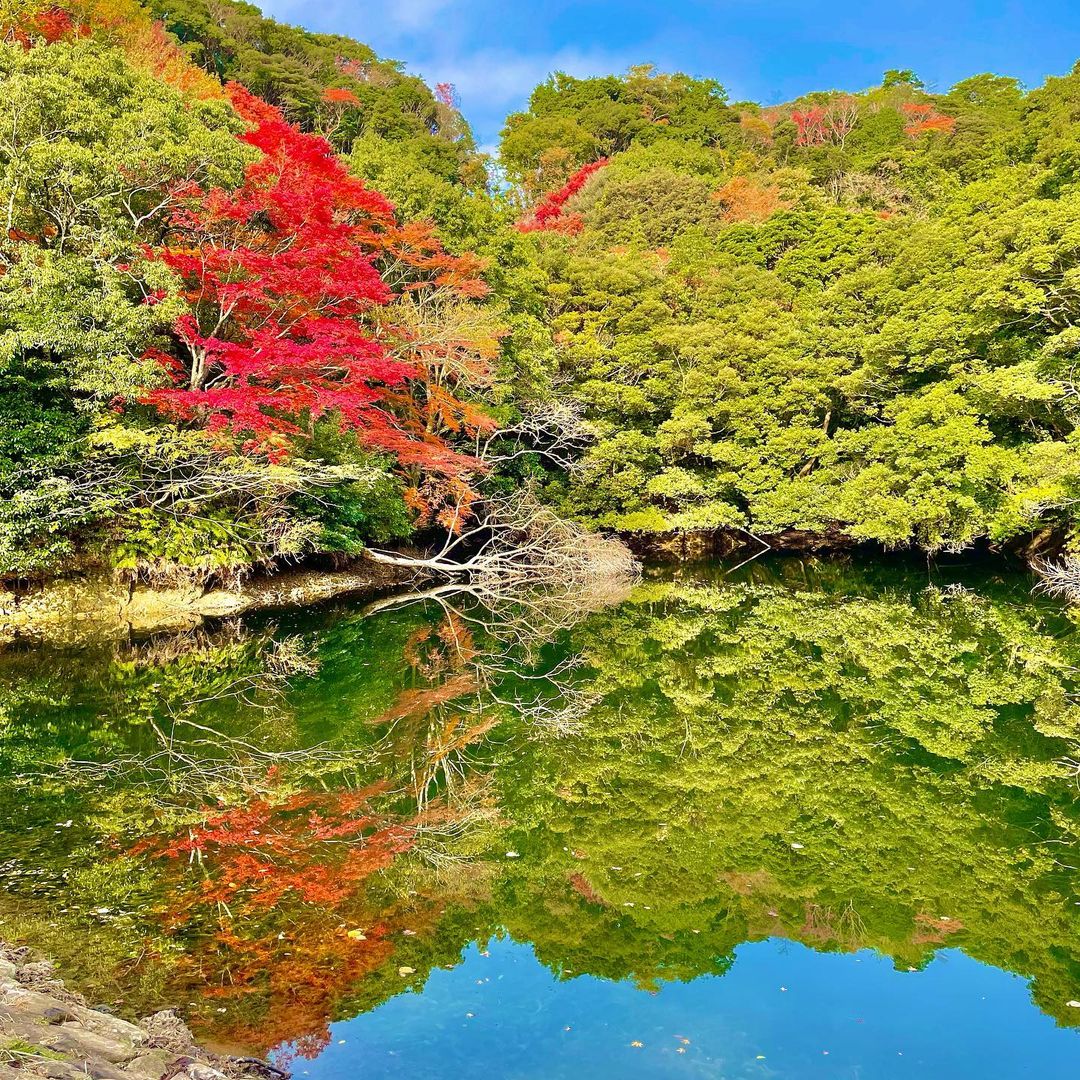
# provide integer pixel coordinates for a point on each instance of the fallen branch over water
(518, 542)
(1061, 579)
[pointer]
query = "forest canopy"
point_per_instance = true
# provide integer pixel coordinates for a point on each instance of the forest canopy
(261, 297)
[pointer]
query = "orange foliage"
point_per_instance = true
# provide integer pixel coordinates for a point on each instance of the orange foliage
(583, 888)
(445, 500)
(412, 703)
(744, 200)
(146, 44)
(433, 651)
(922, 118)
(934, 929)
(337, 95)
(276, 879)
(256, 855)
(151, 49)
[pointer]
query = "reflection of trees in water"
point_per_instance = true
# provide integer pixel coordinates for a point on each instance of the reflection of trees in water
(827, 757)
(284, 878)
(847, 770)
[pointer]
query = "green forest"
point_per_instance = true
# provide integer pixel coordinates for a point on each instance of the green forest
(262, 298)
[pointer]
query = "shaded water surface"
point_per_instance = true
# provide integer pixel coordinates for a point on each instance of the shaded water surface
(803, 819)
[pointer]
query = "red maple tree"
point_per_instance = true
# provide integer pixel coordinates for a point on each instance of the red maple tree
(829, 123)
(282, 276)
(44, 26)
(548, 215)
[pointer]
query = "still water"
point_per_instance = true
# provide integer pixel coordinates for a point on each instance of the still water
(798, 819)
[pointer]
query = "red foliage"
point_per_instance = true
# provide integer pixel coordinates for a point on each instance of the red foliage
(281, 275)
(45, 27)
(922, 117)
(268, 887)
(257, 855)
(446, 94)
(548, 215)
(53, 24)
(831, 123)
(810, 126)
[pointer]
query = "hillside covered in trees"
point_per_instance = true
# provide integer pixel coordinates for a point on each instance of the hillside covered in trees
(856, 312)
(262, 298)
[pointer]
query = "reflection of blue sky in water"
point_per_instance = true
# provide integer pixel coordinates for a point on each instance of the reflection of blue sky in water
(838, 1015)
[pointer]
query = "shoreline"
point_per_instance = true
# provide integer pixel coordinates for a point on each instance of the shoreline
(96, 606)
(51, 1032)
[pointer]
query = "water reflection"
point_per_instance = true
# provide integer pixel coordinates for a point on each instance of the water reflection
(282, 824)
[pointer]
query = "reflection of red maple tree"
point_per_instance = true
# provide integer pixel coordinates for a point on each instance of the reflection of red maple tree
(270, 893)
(314, 847)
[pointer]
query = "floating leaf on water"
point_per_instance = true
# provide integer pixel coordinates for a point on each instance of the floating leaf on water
(357, 935)
(403, 971)
(637, 1043)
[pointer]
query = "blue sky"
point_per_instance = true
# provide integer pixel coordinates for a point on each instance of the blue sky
(495, 51)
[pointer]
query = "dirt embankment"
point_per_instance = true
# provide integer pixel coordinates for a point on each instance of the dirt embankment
(93, 608)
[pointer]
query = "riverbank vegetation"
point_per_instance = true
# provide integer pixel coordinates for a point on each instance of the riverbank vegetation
(262, 298)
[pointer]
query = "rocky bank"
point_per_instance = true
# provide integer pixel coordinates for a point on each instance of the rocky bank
(48, 1031)
(92, 608)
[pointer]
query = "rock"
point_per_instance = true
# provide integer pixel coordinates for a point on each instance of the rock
(14, 954)
(61, 1070)
(21, 1001)
(166, 1031)
(98, 1071)
(41, 976)
(69, 1070)
(198, 1070)
(152, 1065)
(111, 1027)
(74, 1040)
(60, 1014)
(95, 606)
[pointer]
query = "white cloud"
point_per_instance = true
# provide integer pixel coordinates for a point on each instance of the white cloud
(415, 14)
(492, 79)
(388, 21)
(433, 38)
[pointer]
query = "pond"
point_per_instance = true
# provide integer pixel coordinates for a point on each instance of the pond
(797, 818)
